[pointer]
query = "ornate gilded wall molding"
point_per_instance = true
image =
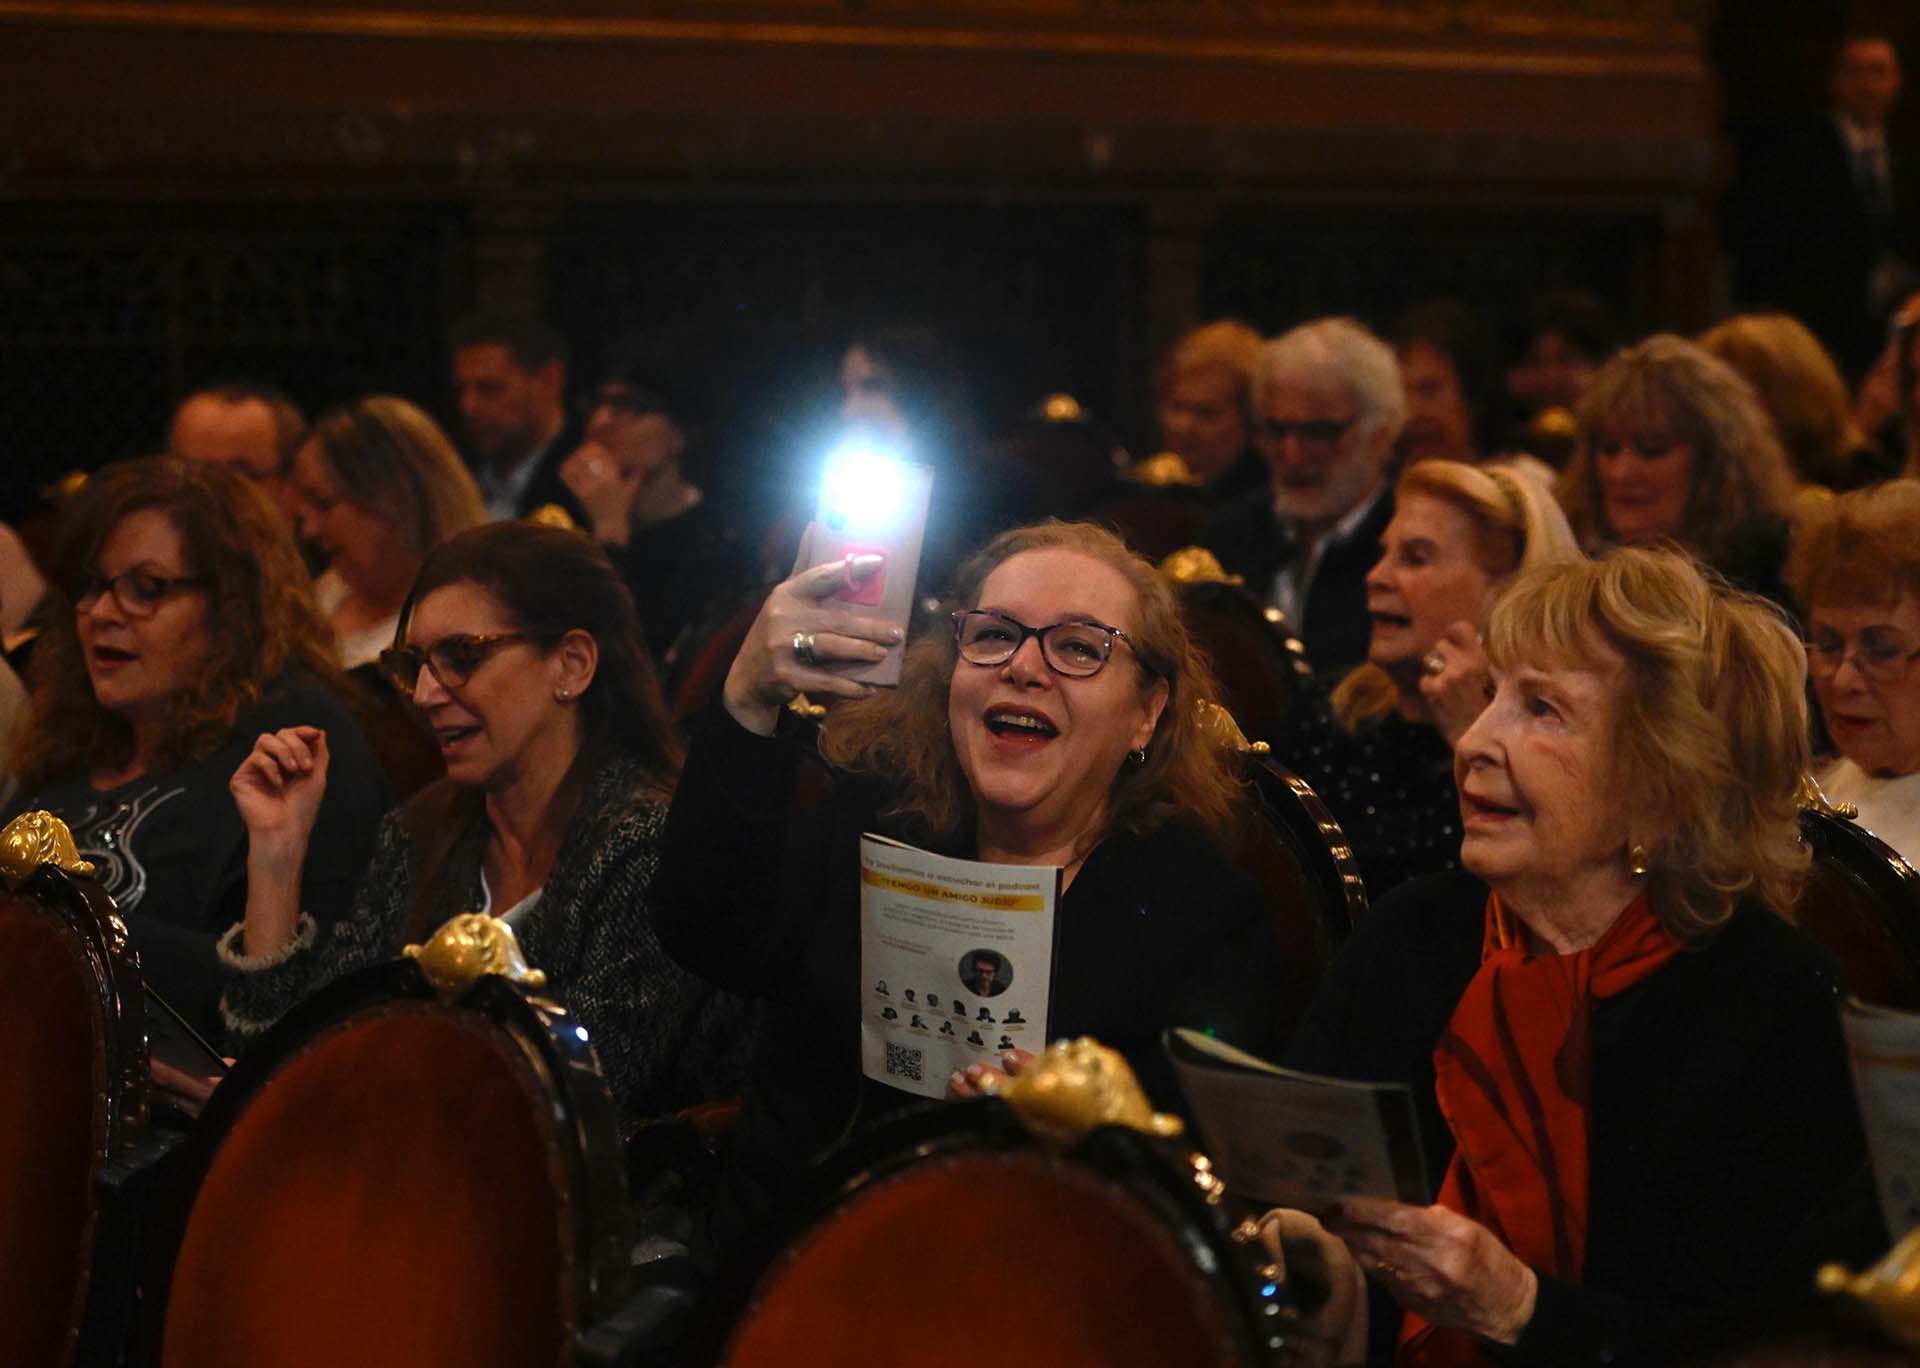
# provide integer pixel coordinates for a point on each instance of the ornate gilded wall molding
(1533, 37)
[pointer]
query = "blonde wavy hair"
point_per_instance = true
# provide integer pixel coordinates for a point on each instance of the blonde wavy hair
(1739, 466)
(1226, 345)
(902, 734)
(1859, 548)
(261, 616)
(1708, 733)
(1798, 385)
(392, 459)
(1515, 526)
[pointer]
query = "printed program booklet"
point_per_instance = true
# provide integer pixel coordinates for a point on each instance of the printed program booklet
(1296, 1139)
(956, 962)
(1884, 1048)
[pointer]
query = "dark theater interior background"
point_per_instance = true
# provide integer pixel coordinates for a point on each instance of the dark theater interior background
(309, 191)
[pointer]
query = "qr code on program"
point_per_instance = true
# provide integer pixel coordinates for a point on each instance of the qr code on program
(905, 1063)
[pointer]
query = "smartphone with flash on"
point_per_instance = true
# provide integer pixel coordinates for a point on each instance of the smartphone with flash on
(872, 503)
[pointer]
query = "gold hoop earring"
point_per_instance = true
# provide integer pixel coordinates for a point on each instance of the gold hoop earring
(1637, 861)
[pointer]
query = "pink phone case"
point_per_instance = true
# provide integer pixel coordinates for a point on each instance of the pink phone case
(887, 594)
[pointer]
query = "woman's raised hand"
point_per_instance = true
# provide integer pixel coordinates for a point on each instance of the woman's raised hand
(606, 490)
(1455, 681)
(1440, 1265)
(278, 788)
(797, 622)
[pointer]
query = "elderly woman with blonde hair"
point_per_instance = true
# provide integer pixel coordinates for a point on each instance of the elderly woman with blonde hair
(1856, 572)
(1379, 747)
(1627, 1064)
(1675, 447)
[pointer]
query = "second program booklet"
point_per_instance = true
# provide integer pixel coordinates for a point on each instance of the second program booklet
(1297, 1139)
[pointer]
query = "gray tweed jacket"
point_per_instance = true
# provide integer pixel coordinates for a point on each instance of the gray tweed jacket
(664, 1038)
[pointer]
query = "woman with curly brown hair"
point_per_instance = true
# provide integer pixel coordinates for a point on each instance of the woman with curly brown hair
(1675, 447)
(1054, 719)
(183, 626)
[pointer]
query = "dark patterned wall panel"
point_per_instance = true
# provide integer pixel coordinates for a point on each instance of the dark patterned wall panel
(108, 313)
(763, 296)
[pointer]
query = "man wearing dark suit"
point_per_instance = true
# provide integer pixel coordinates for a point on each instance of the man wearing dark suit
(510, 379)
(1832, 236)
(1328, 406)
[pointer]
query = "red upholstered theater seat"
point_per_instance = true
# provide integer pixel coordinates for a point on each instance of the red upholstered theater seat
(53, 1131)
(73, 1076)
(395, 1193)
(949, 1236)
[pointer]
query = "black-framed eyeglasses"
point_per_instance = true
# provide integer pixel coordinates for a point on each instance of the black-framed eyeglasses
(625, 400)
(1077, 648)
(1315, 432)
(1880, 654)
(453, 659)
(138, 592)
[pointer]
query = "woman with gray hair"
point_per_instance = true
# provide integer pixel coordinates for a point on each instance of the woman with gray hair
(1327, 408)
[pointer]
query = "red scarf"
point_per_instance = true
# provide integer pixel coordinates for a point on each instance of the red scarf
(1512, 1075)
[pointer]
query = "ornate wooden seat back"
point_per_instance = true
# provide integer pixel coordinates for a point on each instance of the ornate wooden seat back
(1256, 657)
(1291, 845)
(73, 1070)
(1862, 901)
(386, 1180)
(957, 1238)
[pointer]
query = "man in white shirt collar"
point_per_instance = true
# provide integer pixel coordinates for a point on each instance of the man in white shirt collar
(510, 378)
(1328, 405)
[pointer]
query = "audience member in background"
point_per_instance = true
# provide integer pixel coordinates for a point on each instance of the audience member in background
(184, 627)
(1379, 747)
(905, 387)
(1058, 721)
(1856, 572)
(1202, 396)
(510, 380)
(1627, 1066)
(1886, 405)
(23, 598)
(1674, 446)
(666, 537)
(1567, 336)
(252, 427)
(377, 486)
(1456, 402)
(1833, 239)
(1803, 394)
(521, 648)
(1328, 407)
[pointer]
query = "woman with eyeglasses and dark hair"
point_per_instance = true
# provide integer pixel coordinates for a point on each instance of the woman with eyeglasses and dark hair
(181, 626)
(1057, 717)
(1855, 570)
(670, 542)
(519, 647)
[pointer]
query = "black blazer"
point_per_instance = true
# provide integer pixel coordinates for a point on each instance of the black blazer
(1250, 542)
(1814, 240)
(1722, 1109)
